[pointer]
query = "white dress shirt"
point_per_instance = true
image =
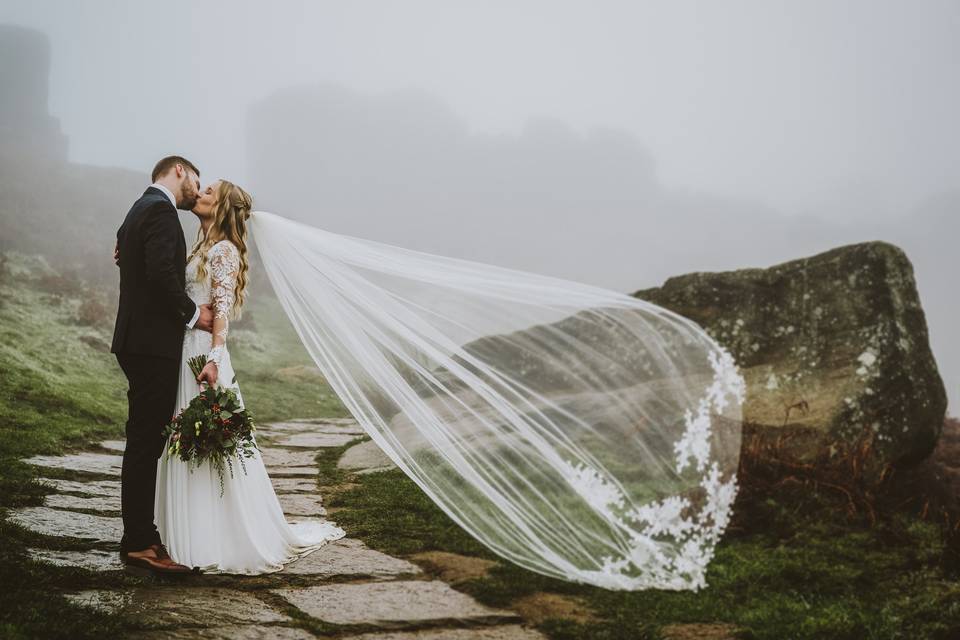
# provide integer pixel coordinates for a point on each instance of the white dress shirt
(173, 201)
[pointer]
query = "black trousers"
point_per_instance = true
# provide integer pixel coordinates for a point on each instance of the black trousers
(152, 397)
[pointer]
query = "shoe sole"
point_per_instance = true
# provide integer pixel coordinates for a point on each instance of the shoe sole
(137, 569)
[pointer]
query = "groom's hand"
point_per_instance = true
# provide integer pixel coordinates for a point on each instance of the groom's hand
(205, 321)
(209, 374)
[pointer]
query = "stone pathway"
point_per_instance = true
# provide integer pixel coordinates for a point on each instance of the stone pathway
(343, 590)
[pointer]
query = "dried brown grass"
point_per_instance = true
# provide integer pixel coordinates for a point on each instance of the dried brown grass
(853, 479)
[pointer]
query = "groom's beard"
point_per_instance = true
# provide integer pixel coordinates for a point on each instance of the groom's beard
(187, 203)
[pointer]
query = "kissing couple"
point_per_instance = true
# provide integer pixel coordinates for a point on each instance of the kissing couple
(173, 307)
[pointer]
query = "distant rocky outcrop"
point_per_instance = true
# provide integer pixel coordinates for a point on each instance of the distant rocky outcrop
(830, 345)
(67, 212)
(26, 127)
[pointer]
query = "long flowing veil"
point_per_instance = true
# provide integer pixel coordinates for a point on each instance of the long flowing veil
(575, 431)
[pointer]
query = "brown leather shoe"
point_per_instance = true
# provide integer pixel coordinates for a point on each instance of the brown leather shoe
(161, 550)
(153, 559)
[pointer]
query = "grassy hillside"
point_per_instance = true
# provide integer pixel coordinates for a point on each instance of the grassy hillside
(61, 386)
(67, 212)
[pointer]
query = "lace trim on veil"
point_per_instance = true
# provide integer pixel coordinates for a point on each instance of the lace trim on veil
(647, 565)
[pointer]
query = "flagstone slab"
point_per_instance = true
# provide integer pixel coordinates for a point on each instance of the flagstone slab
(391, 602)
(93, 559)
(87, 462)
(101, 599)
(275, 428)
(319, 426)
(231, 632)
(365, 457)
(345, 421)
(293, 472)
(350, 557)
(277, 457)
(268, 435)
(281, 430)
(114, 445)
(294, 485)
(204, 606)
(93, 488)
(302, 504)
(273, 435)
(91, 503)
(55, 522)
(502, 632)
(314, 440)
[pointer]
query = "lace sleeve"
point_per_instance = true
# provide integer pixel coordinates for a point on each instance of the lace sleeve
(223, 262)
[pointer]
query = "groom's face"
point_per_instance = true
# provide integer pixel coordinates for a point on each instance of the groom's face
(189, 191)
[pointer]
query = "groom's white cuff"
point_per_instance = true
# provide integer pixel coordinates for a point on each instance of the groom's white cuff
(193, 321)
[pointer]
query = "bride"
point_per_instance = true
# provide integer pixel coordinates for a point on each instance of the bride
(244, 530)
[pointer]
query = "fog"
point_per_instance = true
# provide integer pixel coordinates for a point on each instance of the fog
(609, 142)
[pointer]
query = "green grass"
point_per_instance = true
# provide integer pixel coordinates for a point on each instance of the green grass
(62, 390)
(61, 386)
(806, 572)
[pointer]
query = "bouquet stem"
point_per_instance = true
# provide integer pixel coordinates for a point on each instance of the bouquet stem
(196, 364)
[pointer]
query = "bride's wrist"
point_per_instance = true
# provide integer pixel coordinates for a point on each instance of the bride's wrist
(216, 355)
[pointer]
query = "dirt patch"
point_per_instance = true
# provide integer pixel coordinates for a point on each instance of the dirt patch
(699, 631)
(541, 606)
(452, 567)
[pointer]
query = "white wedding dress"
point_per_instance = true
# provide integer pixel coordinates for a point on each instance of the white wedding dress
(244, 531)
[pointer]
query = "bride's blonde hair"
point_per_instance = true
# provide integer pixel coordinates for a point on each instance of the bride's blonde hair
(230, 215)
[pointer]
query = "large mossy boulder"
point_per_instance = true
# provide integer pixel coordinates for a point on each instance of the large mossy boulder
(832, 347)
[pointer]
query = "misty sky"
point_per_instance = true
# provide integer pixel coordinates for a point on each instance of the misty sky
(832, 110)
(799, 105)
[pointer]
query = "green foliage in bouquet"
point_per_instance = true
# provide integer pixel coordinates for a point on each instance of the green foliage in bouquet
(213, 427)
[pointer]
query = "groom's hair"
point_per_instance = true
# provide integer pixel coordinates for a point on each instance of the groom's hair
(170, 162)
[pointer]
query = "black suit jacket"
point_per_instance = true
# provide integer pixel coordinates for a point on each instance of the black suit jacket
(154, 306)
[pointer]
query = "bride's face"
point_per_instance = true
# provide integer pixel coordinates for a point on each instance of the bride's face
(207, 200)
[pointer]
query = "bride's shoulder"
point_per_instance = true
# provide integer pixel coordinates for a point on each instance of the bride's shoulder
(223, 249)
(224, 258)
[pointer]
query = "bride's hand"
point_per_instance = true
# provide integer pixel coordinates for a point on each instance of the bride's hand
(205, 321)
(209, 374)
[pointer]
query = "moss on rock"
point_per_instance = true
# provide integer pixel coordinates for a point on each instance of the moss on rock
(834, 344)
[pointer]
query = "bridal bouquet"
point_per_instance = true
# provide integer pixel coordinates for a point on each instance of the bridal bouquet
(212, 427)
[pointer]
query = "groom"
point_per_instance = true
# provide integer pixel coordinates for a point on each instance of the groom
(153, 314)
